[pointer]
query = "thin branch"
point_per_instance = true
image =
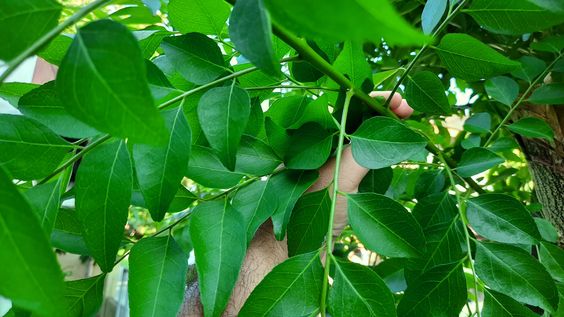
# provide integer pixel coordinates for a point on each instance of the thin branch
(291, 87)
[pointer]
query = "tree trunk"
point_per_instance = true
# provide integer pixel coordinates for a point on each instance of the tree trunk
(546, 163)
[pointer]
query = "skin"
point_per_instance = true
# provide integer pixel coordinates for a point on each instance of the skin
(265, 252)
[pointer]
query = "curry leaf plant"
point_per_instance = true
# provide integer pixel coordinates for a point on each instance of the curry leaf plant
(173, 137)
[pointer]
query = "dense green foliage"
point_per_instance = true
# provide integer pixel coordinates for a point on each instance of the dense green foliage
(209, 127)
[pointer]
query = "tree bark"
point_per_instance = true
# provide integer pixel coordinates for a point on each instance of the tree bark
(546, 163)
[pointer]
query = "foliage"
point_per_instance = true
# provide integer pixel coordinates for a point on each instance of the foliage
(190, 132)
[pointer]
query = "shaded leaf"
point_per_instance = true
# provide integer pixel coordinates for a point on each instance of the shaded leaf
(67, 233)
(292, 288)
(45, 200)
(552, 257)
(359, 291)
(308, 223)
(205, 168)
(288, 185)
(502, 218)
(376, 181)
(195, 56)
(223, 114)
(383, 225)
(502, 89)
(157, 277)
(532, 128)
(255, 203)
(432, 14)
(469, 59)
(531, 67)
(549, 94)
(250, 31)
(425, 92)
(514, 272)
(218, 235)
(255, 157)
(380, 142)
(480, 122)
(28, 149)
(161, 168)
(499, 305)
(84, 297)
(477, 160)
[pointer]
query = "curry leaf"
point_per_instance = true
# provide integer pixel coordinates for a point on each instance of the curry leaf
(103, 193)
(204, 16)
(532, 128)
(432, 14)
(45, 200)
(502, 89)
(425, 93)
(84, 297)
(477, 160)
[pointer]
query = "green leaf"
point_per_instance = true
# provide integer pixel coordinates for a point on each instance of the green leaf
(499, 305)
(293, 288)
(111, 99)
(376, 181)
(383, 225)
(223, 113)
(358, 21)
(255, 203)
(441, 291)
(219, 236)
(84, 297)
(182, 200)
(548, 94)
(304, 72)
(477, 160)
(552, 257)
(352, 63)
(359, 291)
(103, 193)
(429, 182)
(380, 142)
(469, 59)
(28, 149)
(425, 93)
(502, 89)
(502, 218)
(204, 16)
(552, 44)
(546, 229)
(506, 17)
(288, 186)
(22, 22)
(150, 40)
(471, 141)
(480, 122)
(432, 14)
(67, 233)
(44, 105)
(161, 168)
(55, 51)
(13, 91)
(443, 230)
(287, 111)
(311, 147)
(157, 277)
(195, 56)
(552, 5)
(532, 128)
(206, 169)
(514, 272)
(250, 31)
(45, 200)
(255, 157)
(308, 223)
(530, 68)
(30, 274)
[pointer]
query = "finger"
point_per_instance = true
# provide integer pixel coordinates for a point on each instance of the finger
(394, 102)
(403, 110)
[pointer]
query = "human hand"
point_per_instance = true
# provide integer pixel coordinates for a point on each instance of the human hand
(351, 173)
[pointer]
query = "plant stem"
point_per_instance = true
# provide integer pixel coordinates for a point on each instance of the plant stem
(521, 99)
(14, 63)
(450, 16)
(466, 225)
(75, 158)
(329, 242)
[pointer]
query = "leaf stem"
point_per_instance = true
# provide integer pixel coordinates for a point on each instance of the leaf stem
(14, 63)
(466, 225)
(329, 239)
(522, 98)
(450, 16)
